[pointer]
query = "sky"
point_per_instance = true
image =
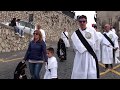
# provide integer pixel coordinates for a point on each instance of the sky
(89, 14)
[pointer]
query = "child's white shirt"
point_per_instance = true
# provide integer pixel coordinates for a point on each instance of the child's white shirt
(51, 68)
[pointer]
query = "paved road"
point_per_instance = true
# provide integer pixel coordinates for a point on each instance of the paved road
(9, 61)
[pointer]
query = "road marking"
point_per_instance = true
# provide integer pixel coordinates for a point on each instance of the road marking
(102, 73)
(5, 60)
(110, 70)
(102, 65)
(116, 66)
(116, 72)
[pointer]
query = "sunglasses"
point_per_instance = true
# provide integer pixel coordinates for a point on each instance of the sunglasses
(48, 53)
(82, 21)
(35, 33)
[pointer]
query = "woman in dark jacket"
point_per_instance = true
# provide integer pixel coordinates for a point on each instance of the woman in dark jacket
(36, 54)
(61, 50)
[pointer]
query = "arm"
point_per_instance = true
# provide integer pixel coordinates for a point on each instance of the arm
(44, 51)
(67, 34)
(28, 52)
(44, 34)
(61, 35)
(96, 38)
(58, 48)
(74, 49)
(116, 45)
(17, 24)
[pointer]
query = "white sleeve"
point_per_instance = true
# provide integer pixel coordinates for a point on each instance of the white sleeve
(74, 47)
(43, 34)
(116, 43)
(96, 38)
(77, 44)
(17, 24)
(61, 35)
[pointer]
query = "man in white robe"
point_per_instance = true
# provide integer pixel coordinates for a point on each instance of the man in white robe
(98, 43)
(65, 38)
(107, 48)
(84, 66)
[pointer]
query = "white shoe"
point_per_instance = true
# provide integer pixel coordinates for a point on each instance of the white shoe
(22, 36)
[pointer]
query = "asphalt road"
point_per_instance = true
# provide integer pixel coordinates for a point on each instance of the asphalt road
(9, 61)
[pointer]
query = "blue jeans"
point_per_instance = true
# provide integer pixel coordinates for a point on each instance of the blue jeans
(16, 29)
(35, 70)
(21, 32)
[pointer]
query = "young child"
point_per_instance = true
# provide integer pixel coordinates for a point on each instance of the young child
(51, 66)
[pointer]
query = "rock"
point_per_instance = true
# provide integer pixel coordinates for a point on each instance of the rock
(2, 44)
(0, 48)
(0, 40)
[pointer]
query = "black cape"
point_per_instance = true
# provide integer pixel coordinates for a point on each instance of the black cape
(61, 45)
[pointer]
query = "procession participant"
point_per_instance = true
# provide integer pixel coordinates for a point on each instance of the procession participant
(109, 46)
(64, 36)
(61, 50)
(98, 43)
(85, 62)
(51, 66)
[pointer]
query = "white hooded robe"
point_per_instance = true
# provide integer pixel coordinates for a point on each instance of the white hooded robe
(107, 52)
(98, 46)
(84, 66)
(66, 41)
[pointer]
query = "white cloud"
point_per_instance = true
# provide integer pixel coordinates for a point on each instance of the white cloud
(89, 14)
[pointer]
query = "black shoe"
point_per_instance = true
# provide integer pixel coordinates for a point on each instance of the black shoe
(61, 60)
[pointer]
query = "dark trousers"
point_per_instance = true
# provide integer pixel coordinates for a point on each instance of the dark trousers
(107, 65)
(35, 70)
(21, 32)
(16, 29)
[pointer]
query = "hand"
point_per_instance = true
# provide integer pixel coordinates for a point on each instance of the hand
(23, 61)
(116, 48)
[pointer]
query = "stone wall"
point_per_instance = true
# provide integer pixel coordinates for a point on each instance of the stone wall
(52, 22)
(110, 17)
(10, 42)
